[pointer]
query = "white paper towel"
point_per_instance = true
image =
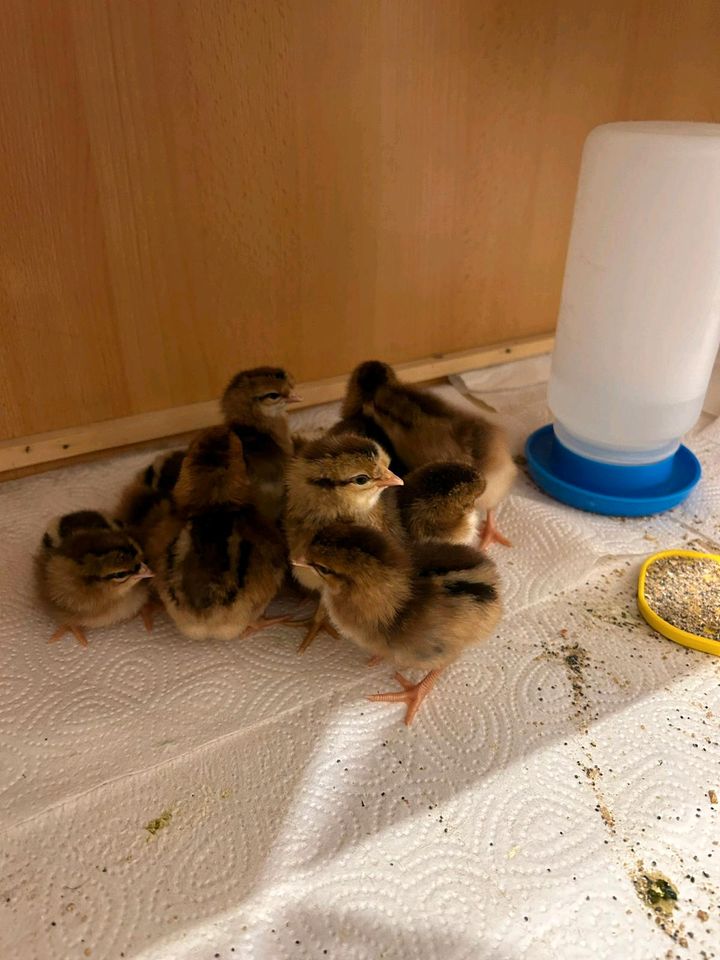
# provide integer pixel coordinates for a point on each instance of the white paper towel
(509, 822)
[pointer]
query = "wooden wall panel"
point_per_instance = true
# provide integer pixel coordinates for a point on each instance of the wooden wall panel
(191, 186)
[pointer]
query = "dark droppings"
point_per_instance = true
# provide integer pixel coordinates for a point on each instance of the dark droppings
(685, 592)
(576, 660)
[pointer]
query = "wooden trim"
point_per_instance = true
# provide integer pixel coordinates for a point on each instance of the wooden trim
(44, 449)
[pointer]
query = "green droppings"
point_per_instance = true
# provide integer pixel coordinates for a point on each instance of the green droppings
(159, 823)
(657, 892)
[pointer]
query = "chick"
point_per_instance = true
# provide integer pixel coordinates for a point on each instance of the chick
(254, 406)
(149, 496)
(218, 563)
(424, 428)
(336, 478)
(361, 426)
(420, 610)
(440, 502)
(354, 421)
(91, 573)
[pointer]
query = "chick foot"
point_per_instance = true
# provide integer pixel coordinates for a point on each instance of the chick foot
(262, 622)
(412, 694)
(76, 631)
(374, 661)
(320, 622)
(491, 534)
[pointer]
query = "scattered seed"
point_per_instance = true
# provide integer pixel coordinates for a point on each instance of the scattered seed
(685, 592)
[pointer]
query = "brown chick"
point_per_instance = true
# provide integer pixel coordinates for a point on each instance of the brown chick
(440, 502)
(336, 478)
(420, 610)
(90, 572)
(424, 428)
(149, 497)
(218, 562)
(254, 406)
(362, 426)
(356, 422)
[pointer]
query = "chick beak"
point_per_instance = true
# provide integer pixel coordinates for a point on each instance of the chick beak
(144, 573)
(293, 398)
(390, 479)
(300, 562)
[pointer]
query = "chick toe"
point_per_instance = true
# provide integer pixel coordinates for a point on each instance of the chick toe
(412, 694)
(319, 623)
(76, 631)
(263, 622)
(491, 534)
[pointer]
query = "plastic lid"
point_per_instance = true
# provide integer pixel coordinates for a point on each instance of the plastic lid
(610, 489)
(705, 644)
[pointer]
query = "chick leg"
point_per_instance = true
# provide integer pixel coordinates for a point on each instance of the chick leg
(491, 534)
(76, 631)
(318, 623)
(412, 694)
(147, 612)
(374, 661)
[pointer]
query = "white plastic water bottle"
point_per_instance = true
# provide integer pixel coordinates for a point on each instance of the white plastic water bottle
(639, 323)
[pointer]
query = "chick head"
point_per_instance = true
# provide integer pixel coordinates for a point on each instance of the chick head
(347, 471)
(343, 553)
(108, 561)
(260, 392)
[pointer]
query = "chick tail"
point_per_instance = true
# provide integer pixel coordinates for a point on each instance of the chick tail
(491, 534)
(76, 631)
(412, 694)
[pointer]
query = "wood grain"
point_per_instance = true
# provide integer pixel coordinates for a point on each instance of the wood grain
(40, 450)
(194, 186)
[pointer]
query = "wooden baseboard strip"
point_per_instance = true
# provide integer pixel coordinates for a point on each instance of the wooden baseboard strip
(42, 450)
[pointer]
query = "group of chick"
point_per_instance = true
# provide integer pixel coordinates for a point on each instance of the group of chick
(381, 516)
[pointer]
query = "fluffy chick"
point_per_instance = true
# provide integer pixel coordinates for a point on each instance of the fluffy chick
(338, 477)
(424, 428)
(361, 426)
(420, 610)
(440, 502)
(354, 420)
(149, 497)
(254, 406)
(218, 563)
(91, 573)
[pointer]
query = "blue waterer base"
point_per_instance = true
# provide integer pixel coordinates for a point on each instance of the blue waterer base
(617, 491)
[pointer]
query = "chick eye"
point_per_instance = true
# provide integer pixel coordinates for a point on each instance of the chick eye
(321, 569)
(271, 396)
(361, 480)
(122, 575)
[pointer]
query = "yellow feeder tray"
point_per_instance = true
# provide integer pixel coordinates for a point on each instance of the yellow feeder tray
(705, 644)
